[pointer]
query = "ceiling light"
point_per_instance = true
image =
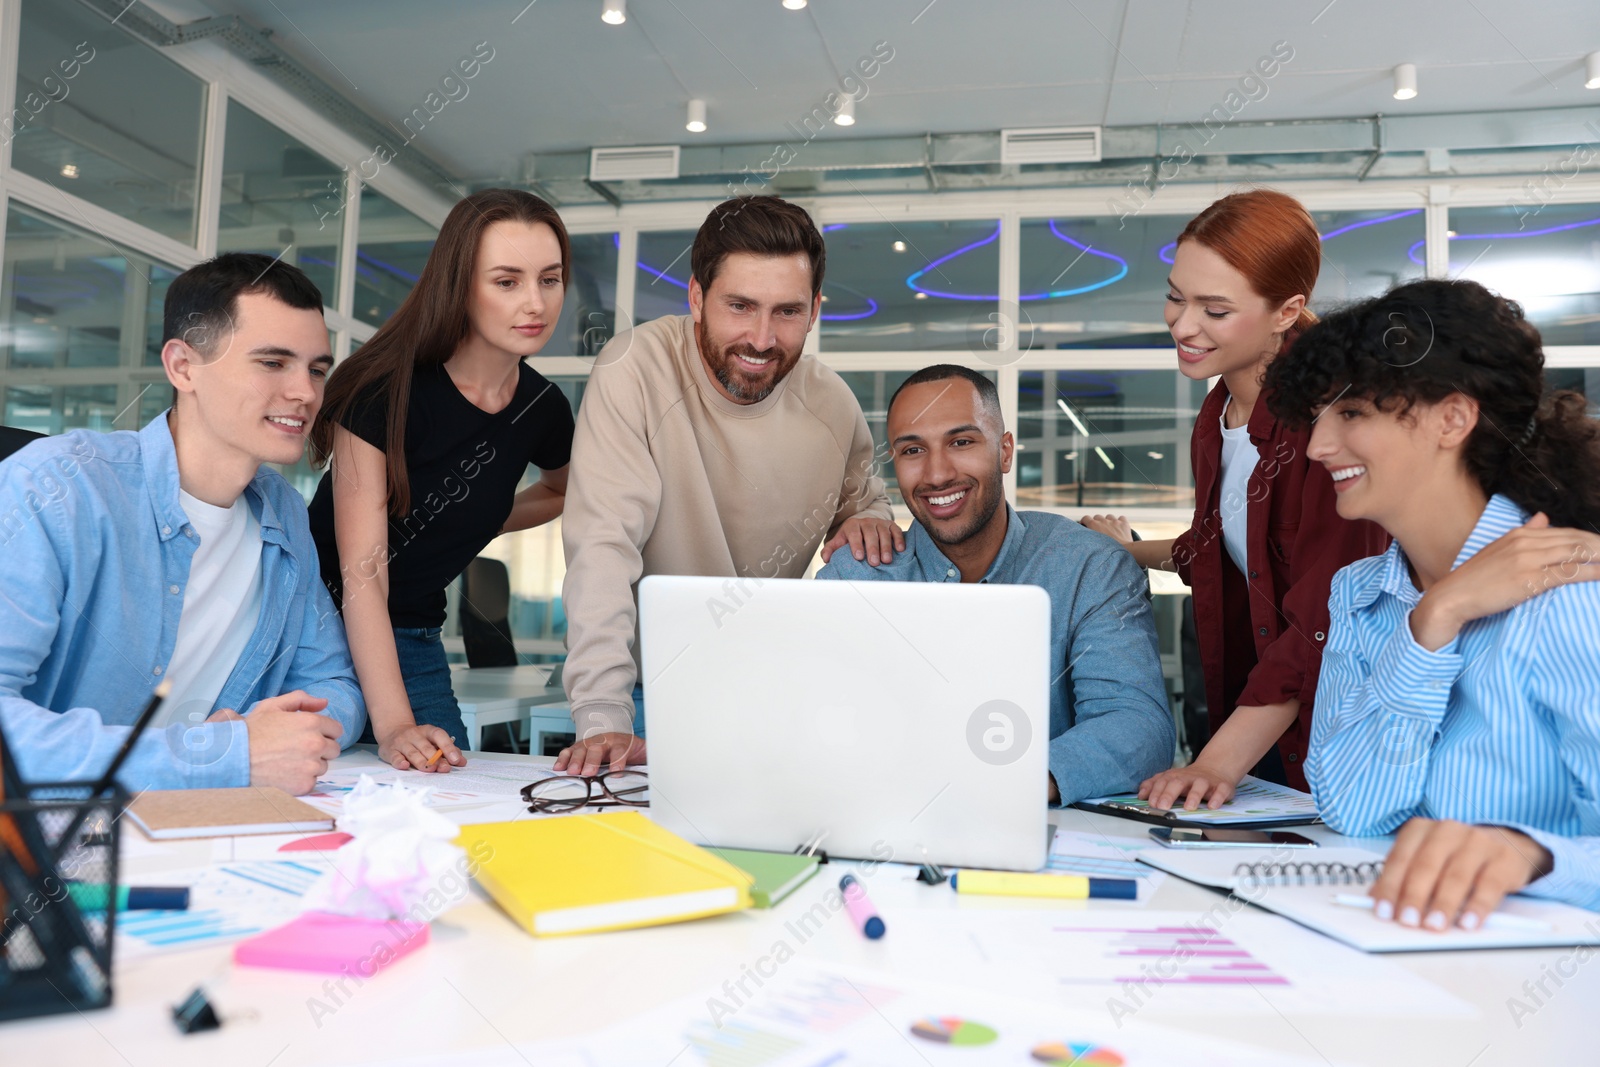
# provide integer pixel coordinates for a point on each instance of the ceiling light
(1156, 455)
(847, 112)
(921, 295)
(1405, 81)
(899, 246)
(613, 12)
(697, 117)
(795, 5)
(69, 170)
(1104, 458)
(1073, 415)
(1592, 71)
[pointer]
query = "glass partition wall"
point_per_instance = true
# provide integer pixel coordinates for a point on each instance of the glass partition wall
(148, 166)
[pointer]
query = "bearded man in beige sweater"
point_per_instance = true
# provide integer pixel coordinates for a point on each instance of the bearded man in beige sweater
(707, 445)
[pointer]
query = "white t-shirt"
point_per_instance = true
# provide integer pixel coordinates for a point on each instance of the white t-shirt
(1239, 459)
(221, 606)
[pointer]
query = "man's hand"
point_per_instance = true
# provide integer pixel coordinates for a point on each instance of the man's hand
(1442, 873)
(874, 540)
(587, 756)
(1508, 570)
(1199, 783)
(288, 749)
(1113, 526)
(413, 746)
(1055, 793)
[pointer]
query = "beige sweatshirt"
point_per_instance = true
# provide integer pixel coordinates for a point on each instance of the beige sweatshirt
(671, 477)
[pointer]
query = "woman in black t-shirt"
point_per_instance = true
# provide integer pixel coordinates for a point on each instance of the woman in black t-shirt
(430, 427)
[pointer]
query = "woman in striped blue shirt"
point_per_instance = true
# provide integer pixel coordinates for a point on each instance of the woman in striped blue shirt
(1459, 700)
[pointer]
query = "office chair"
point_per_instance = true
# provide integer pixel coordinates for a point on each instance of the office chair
(13, 438)
(485, 614)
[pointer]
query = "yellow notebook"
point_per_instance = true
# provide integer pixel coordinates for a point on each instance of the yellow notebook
(577, 874)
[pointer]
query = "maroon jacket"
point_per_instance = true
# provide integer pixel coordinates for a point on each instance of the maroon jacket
(1261, 634)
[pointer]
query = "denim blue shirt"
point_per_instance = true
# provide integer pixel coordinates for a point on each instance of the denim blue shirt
(1110, 727)
(1500, 726)
(94, 558)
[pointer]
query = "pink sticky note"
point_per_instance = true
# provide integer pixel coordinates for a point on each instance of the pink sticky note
(316, 843)
(318, 941)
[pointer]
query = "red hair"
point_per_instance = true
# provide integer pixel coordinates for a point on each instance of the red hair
(1268, 237)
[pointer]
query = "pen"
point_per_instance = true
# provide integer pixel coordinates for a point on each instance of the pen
(1497, 920)
(131, 898)
(860, 908)
(1059, 886)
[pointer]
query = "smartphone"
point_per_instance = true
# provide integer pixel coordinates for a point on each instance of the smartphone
(1220, 837)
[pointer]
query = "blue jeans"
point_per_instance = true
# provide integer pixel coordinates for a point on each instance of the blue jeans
(638, 711)
(426, 671)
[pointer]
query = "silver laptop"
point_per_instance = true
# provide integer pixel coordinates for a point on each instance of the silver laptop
(901, 721)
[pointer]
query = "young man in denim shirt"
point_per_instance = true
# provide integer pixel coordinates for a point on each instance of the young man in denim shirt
(172, 554)
(1109, 723)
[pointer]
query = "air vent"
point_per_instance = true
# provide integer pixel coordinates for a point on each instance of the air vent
(1061, 144)
(633, 164)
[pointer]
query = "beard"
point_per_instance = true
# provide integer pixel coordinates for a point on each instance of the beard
(741, 385)
(977, 516)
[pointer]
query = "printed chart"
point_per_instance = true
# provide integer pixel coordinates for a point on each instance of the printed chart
(950, 1030)
(226, 903)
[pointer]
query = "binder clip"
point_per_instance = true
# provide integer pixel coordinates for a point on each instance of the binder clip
(810, 847)
(932, 874)
(196, 1015)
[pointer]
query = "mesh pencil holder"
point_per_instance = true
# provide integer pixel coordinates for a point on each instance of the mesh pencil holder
(58, 888)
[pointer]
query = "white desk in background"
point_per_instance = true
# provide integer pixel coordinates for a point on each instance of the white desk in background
(491, 695)
(483, 983)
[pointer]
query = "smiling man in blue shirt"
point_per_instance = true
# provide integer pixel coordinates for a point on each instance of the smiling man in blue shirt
(1109, 723)
(173, 554)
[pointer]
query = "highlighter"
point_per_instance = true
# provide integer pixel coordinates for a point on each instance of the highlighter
(860, 908)
(1058, 886)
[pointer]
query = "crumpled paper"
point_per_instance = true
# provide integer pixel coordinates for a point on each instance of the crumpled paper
(400, 852)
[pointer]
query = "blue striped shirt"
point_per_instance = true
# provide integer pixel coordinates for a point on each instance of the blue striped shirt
(1501, 726)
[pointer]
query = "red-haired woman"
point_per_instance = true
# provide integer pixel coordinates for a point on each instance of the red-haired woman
(430, 427)
(1266, 539)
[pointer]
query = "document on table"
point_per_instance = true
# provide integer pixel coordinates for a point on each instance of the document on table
(1254, 803)
(1099, 856)
(479, 782)
(1231, 958)
(226, 902)
(811, 1014)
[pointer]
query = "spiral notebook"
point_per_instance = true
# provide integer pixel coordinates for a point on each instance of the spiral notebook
(1303, 890)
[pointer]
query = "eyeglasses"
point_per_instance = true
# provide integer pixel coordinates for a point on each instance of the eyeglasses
(569, 792)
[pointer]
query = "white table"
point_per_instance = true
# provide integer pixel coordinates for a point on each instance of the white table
(483, 982)
(491, 695)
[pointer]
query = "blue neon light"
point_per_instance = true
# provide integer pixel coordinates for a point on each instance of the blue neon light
(1122, 271)
(1167, 251)
(844, 316)
(1411, 253)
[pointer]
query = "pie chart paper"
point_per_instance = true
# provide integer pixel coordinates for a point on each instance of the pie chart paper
(949, 1030)
(1077, 1054)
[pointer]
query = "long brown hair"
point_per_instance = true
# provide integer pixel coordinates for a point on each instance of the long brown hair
(430, 323)
(1270, 238)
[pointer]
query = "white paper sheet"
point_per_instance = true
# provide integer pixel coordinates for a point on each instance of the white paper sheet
(1232, 958)
(810, 1014)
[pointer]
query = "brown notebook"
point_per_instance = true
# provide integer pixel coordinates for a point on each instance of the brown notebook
(172, 813)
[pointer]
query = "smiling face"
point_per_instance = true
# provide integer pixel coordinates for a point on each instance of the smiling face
(516, 287)
(751, 325)
(253, 394)
(950, 456)
(1385, 464)
(1221, 325)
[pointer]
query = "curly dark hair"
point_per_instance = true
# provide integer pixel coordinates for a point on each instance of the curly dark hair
(1423, 341)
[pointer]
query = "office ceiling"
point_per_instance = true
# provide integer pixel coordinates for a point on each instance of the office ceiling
(561, 80)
